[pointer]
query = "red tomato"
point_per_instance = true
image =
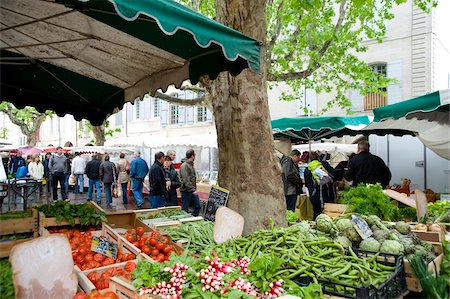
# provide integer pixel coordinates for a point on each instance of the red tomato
(155, 252)
(130, 238)
(152, 241)
(74, 255)
(140, 231)
(130, 266)
(160, 246)
(127, 276)
(80, 259)
(164, 240)
(89, 257)
(94, 277)
(137, 244)
(102, 284)
(85, 267)
(80, 295)
(94, 294)
(99, 257)
(145, 249)
(105, 275)
(82, 250)
(168, 249)
(155, 234)
(110, 295)
(108, 261)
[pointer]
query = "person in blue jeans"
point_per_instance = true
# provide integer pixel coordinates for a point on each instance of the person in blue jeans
(158, 183)
(108, 175)
(93, 173)
(189, 184)
(138, 171)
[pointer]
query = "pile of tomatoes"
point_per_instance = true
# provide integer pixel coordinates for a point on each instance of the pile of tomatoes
(101, 281)
(83, 257)
(96, 295)
(156, 246)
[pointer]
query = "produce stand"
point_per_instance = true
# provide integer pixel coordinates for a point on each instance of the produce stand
(17, 226)
(411, 278)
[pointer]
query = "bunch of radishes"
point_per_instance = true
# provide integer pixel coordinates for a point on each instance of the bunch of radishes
(171, 289)
(211, 277)
(243, 263)
(242, 285)
(276, 290)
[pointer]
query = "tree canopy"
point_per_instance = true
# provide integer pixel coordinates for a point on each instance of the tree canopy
(315, 43)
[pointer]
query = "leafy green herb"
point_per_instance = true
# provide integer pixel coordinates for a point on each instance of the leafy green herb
(64, 211)
(15, 215)
(291, 216)
(265, 267)
(16, 236)
(6, 281)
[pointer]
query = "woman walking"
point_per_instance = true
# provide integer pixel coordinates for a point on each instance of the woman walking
(123, 168)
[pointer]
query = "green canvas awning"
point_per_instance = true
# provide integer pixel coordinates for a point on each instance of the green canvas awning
(435, 101)
(305, 129)
(124, 49)
(426, 117)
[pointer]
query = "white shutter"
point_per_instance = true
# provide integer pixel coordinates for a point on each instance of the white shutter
(147, 108)
(164, 110)
(356, 99)
(182, 115)
(394, 91)
(119, 120)
(190, 115)
(311, 101)
(129, 112)
(209, 116)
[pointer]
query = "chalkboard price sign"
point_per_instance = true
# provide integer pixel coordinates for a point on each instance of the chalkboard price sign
(218, 197)
(103, 246)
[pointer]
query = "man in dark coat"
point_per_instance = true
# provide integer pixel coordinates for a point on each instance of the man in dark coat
(108, 175)
(367, 168)
(93, 173)
(158, 185)
(291, 179)
(171, 175)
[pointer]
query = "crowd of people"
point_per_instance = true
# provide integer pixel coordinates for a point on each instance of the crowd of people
(107, 177)
(320, 176)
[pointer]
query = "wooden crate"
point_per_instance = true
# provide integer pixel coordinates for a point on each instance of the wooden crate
(334, 209)
(20, 225)
(86, 285)
(123, 289)
(430, 236)
(6, 246)
(411, 279)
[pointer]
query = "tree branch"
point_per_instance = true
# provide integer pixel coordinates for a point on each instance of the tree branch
(8, 110)
(314, 65)
(203, 101)
(193, 88)
(276, 33)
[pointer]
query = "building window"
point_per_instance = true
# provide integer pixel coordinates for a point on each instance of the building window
(174, 114)
(156, 108)
(137, 104)
(201, 114)
(119, 118)
(375, 100)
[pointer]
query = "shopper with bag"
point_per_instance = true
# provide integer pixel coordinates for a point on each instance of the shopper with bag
(123, 169)
(108, 176)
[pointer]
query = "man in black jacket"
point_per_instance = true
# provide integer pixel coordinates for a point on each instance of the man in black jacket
(93, 173)
(291, 179)
(158, 185)
(367, 168)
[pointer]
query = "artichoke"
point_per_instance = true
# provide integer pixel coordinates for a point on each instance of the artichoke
(392, 246)
(324, 223)
(370, 244)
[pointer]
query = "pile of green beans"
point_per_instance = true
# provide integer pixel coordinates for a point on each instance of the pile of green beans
(308, 255)
(199, 235)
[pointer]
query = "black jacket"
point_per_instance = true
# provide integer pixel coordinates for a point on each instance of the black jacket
(328, 192)
(291, 177)
(369, 169)
(175, 183)
(93, 169)
(157, 180)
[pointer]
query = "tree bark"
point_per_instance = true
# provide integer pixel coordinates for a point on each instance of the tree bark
(248, 165)
(99, 134)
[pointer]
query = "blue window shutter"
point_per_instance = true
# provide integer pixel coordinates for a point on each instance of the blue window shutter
(209, 116)
(190, 115)
(182, 115)
(164, 111)
(129, 112)
(356, 99)
(394, 91)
